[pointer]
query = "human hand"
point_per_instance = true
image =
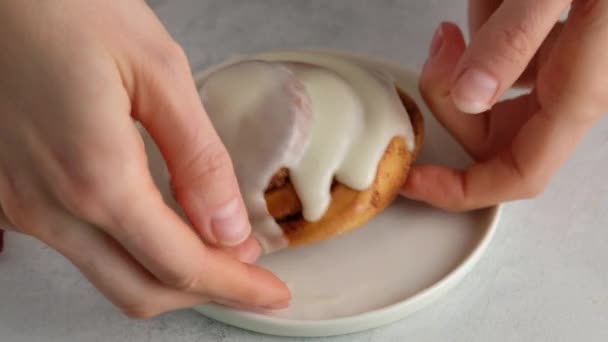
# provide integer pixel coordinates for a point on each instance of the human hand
(73, 169)
(520, 143)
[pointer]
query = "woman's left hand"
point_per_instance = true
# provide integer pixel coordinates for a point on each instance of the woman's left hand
(518, 144)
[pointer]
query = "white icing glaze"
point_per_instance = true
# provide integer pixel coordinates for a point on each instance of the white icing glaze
(319, 115)
(262, 114)
(325, 155)
(381, 114)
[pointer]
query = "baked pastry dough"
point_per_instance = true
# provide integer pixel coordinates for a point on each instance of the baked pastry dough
(320, 143)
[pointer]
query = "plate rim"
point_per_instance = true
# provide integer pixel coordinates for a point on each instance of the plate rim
(360, 322)
(286, 327)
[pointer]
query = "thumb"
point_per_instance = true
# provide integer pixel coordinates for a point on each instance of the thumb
(203, 179)
(501, 50)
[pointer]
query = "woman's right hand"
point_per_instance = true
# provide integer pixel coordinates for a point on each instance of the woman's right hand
(73, 170)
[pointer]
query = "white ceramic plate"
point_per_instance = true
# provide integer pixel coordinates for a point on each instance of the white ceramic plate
(404, 259)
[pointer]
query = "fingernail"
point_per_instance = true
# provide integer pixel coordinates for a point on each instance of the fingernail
(474, 91)
(436, 42)
(229, 225)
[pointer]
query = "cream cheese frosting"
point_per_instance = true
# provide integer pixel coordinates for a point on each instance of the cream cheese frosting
(322, 116)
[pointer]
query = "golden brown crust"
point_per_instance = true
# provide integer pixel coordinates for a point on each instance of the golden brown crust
(349, 208)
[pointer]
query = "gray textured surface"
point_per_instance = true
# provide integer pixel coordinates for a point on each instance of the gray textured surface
(543, 279)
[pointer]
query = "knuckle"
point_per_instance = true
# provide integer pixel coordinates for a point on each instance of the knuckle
(140, 310)
(20, 215)
(82, 198)
(461, 203)
(214, 159)
(530, 181)
(28, 211)
(171, 58)
(181, 280)
(208, 163)
(75, 184)
(463, 200)
(92, 194)
(21, 209)
(532, 184)
(36, 219)
(97, 194)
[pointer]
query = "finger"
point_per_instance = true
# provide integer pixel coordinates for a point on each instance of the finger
(203, 178)
(486, 134)
(113, 271)
(504, 122)
(480, 135)
(447, 48)
(460, 190)
(159, 240)
(501, 50)
(481, 10)
(520, 171)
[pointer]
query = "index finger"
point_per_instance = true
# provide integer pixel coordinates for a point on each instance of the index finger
(162, 242)
(501, 50)
(522, 170)
(479, 11)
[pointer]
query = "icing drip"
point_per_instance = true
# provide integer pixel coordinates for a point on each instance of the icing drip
(319, 115)
(262, 114)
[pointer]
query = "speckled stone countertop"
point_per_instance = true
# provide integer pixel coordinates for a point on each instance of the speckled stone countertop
(544, 277)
